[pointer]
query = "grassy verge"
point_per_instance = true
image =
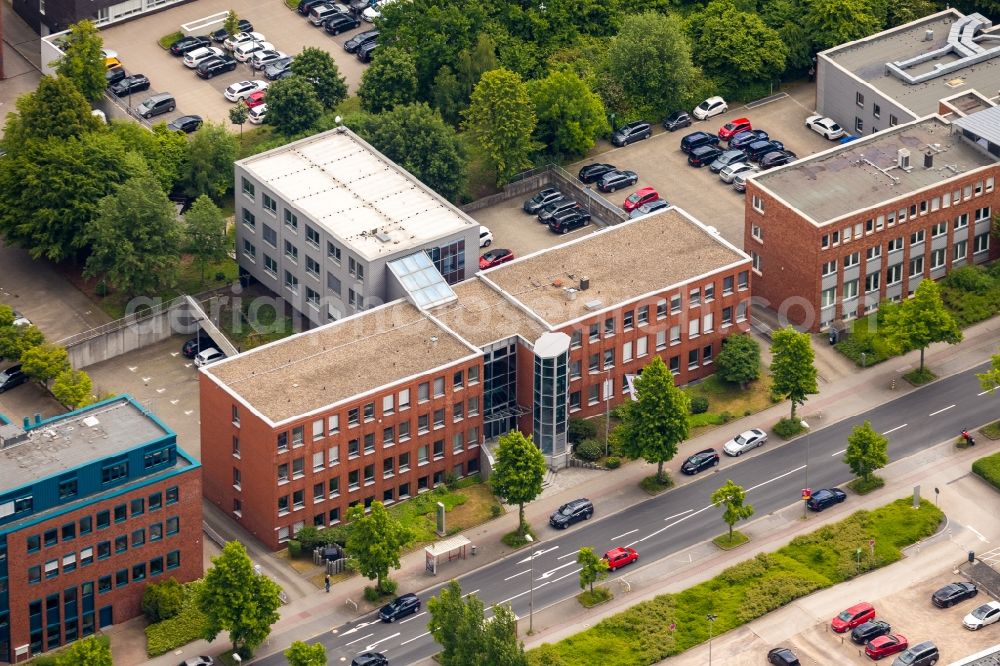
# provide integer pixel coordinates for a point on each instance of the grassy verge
(641, 635)
(919, 377)
(989, 469)
(186, 626)
(727, 401)
(292, 4)
(167, 40)
(590, 599)
(991, 431)
(725, 543)
(516, 540)
(863, 487)
(469, 504)
(655, 486)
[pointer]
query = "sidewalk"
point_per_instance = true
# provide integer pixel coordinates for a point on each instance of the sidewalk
(615, 491)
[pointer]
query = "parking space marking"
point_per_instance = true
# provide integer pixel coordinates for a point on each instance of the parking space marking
(978, 534)
(133, 368)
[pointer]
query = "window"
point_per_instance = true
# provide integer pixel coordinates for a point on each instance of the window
(755, 260)
(893, 121)
(828, 297)
(859, 99)
(156, 566)
(743, 283)
(609, 358)
(826, 241)
(758, 203)
(917, 266)
(333, 424)
(709, 292)
(283, 504)
(575, 369)
(473, 406)
(626, 352)
(67, 488)
(727, 285)
(859, 125)
(249, 250)
(121, 544)
(874, 252)
(939, 229)
(404, 462)
(576, 339)
(694, 297)
(69, 562)
(270, 236)
(282, 441)
(458, 411)
(829, 268)
(595, 332)
(628, 320)
(937, 259)
(896, 244)
(120, 513)
(593, 394)
(121, 578)
(675, 365)
(574, 401)
(291, 220)
(641, 346)
(291, 251)
(139, 572)
(116, 471)
(894, 274)
(249, 220)
(594, 363)
(173, 559)
(756, 232)
(741, 310)
(422, 455)
(981, 243)
(876, 111)
(675, 334)
(609, 327)
(104, 584)
(103, 520)
(312, 236)
(353, 449)
(982, 214)
(917, 237)
(173, 495)
(850, 289)
(51, 537)
(960, 250)
(369, 443)
(438, 387)
(693, 359)
(872, 282)
(439, 418)
(423, 423)
(333, 252)
(298, 468)
(706, 354)
(156, 532)
(439, 449)
(693, 328)
(423, 392)
(404, 430)
(388, 436)
(248, 188)
(675, 304)
(138, 537)
(727, 316)
(404, 397)
(312, 267)
(661, 309)
(852, 260)
(298, 499)
(34, 543)
(846, 233)
(291, 283)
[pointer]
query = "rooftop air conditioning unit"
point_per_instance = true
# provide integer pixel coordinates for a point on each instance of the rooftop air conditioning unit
(928, 35)
(903, 158)
(593, 305)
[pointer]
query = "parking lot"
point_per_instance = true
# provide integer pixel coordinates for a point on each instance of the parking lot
(137, 47)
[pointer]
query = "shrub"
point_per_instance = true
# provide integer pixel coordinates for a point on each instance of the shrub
(450, 480)
(496, 511)
(726, 417)
(308, 539)
(589, 449)
(613, 462)
(389, 586)
(186, 626)
(371, 593)
(579, 430)
(219, 276)
(971, 279)
(162, 600)
(699, 404)
(295, 549)
(788, 428)
(989, 469)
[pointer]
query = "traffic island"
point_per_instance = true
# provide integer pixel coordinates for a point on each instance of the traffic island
(729, 542)
(600, 595)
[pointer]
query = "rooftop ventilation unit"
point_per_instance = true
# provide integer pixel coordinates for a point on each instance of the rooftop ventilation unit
(385, 238)
(928, 35)
(928, 159)
(11, 435)
(584, 283)
(570, 293)
(903, 158)
(593, 305)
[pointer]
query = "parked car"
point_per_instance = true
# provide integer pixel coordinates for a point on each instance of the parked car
(825, 127)
(370, 659)
(305, 6)
(20, 319)
(186, 124)
(243, 89)
(953, 593)
(712, 106)
(185, 44)
(572, 512)
(485, 236)
(647, 208)
(726, 158)
(592, 173)
(698, 139)
(703, 155)
(631, 132)
(357, 41)
(883, 646)
(677, 120)
(734, 127)
(191, 348)
(130, 84)
(155, 105)
(340, 22)
(782, 656)
(258, 114)
(542, 199)
(639, 197)
(221, 35)
(495, 258)
(569, 220)
(401, 606)
(745, 441)
(744, 139)
(213, 66)
(111, 63)
(245, 51)
(615, 180)
(241, 38)
(208, 356)
(921, 654)
(740, 180)
(114, 75)
(557, 207)
(619, 557)
(866, 631)
(728, 173)
(758, 149)
(776, 158)
(320, 13)
(11, 377)
(852, 617)
(374, 10)
(700, 461)
(825, 498)
(196, 56)
(275, 69)
(255, 99)
(986, 614)
(366, 50)
(358, 6)
(262, 59)
(198, 661)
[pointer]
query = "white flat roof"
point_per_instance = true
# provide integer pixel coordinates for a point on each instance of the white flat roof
(345, 186)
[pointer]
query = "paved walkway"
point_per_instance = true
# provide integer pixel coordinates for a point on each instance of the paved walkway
(615, 491)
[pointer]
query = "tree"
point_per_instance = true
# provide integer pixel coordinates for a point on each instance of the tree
(135, 239)
(390, 80)
(374, 541)
(518, 472)
(867, 451)
(990, 380)
(656, 422)
(238, 115)
(210, 157)
(832, 22)
(922, 320)
(500, 646)
(570, 115)
(459, 626)
(304, 654)
(206, 233)
(732, 498)
(90, 651)
(501, 120)
(476, 60)
(162, 600)
(163, 149)
(739, 360)
(318, 68)
(792, 366)
(82, 61)
(448, 97)
(292, 106)
(232, 24)
(6, 316)
(415, 137)
(55, 109)
(45, 362)
(236, 599)
(15, 340)
(592, 568)
(73, 388)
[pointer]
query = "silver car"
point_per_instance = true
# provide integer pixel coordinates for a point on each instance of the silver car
(745, 441)
(729, 172)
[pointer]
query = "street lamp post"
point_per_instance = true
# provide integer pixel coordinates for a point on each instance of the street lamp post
(711, 627)
(531, 589)
(607, 410)
(806, 426)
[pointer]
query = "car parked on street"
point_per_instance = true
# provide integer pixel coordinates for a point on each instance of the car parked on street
(542, 199)
(825, 498)
(744, 139)
(698, 139)
(215, 66)
(243, 89)
(202, 660)
(185, 44)
(852, 617)
(726, 158)
(728, 173)
(647, 208)
(745, 441)
(340, 22)
(558, 206)
(591, 173)
(401, 606)
(712, 106)
(495, 257)
(704, 155)
(953, 593)
(620, 557)
(884, 646)
(616, 180)
(195, 57)
(11, 377)
(130, 84)
(639, 197)
(221, 35)
(700, 461)
(572, 512)
(782, 656)
(825, 127)
(866, 631)
(986, 614)
(734, 127)
(677, 120)
(631, 132)
(357, 41)
(186, 124)
(569, 220)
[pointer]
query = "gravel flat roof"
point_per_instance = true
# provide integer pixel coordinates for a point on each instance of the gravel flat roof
(482, 315)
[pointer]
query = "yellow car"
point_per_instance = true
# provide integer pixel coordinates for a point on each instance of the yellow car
(111, 63)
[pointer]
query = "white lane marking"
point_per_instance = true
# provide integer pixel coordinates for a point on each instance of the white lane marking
(941, 410)
(624, 535)
(415, 638)
(985, 392)
(780, 476)
(537, 554)
(517, 574)
(552, 571)
(372, 646)
(359, 626)
(358, 639)
(895, 429)
(563, 557)
(473, 592)
(834, 455)
(413, 618)
(679, 520)
(571, 573)
(978, 534)
(678, 515)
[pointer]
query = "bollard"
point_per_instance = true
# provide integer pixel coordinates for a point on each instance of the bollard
(972, 556)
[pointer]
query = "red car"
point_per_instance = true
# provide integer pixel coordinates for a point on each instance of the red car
(619, 557)
(255, 99)
(883, 646)
(852, 617)
(733, 127)
(495, 258)
(640, 197)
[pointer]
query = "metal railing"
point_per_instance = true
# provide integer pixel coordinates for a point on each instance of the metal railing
(128, 320)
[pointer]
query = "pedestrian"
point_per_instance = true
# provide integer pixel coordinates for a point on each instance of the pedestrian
(812, 74)
(328, 583)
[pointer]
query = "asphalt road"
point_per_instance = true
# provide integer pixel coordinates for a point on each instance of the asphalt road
(664, 525)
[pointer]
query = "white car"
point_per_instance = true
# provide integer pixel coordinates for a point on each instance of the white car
(745, 441)
(258, 113)
(21, 320)
(825, 127)
(243, 89)
(372, 13)
(194, 58)
(712, 106)
(208, 356)
(262, 59)
(245, 51)
(730, 171)
(986, 614)
(241, 37)
(485, 236)
(109, 53)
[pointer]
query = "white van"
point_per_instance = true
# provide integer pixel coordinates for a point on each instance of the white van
(208, 356)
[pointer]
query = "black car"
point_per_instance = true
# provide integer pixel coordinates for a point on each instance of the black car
(365, 51)
(863, 633)
(114, 75)
(572, 512)
(825, 498)
(542, 199)
(632, 132)
(401, 606)
(186, 124)
(358, 6)
(341, 22)
(677, 120)
(615, 180)
(777, 158)
(130, 84)
(745, 138)
(191, 348)
(185, 44)
(275, 69)
(556, 208)
(568, 220)
(952, 593)
(216, 65)
(305, 6)
(703, 155)
(782, 657)
(758, 149)
(11, 377)
(700, 461)
(592, 173)
(370, 659)
(359, 40)
(698, 139)
(221, 35)
(647, 208)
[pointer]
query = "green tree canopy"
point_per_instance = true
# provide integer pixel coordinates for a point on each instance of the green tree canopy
(867, 451)
(389, 81)
(90, 651)
(990, 380)
(73, 388)
(209, 165)
(656, 422)
(570, 115)
(45, 362)
(518, 472)
(833, 22)
(232, 24)
(501, 120)
(374, 541)
(54, 110)
(459, 626)
(205, 226)
(732, 499)
(448, 97)
(317, 68)
(238, 115)
(162, 600)
(474, 61)
(292, 106)
(15, 340)
(306, 654)
(165, 151)
(236, 599)
(82, 61)
(792, 366)
(921, 321)
(739, 360)
(592, 568)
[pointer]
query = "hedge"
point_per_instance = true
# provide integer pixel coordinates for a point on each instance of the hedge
(989, 469)
(188, 625)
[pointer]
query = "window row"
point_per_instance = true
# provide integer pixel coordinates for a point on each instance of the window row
(138, 572)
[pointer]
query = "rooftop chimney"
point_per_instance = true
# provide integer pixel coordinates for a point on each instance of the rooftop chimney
(928, 159)
(584, 283)
(928, 35)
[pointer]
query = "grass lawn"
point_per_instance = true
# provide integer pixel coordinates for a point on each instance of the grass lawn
(167, 40)
(727, 401)
(468, 505)
(187, 626)
(991, 431)
(641, 635)
(989, 469)
(590, 599)
(862, 487)
(725, 543)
